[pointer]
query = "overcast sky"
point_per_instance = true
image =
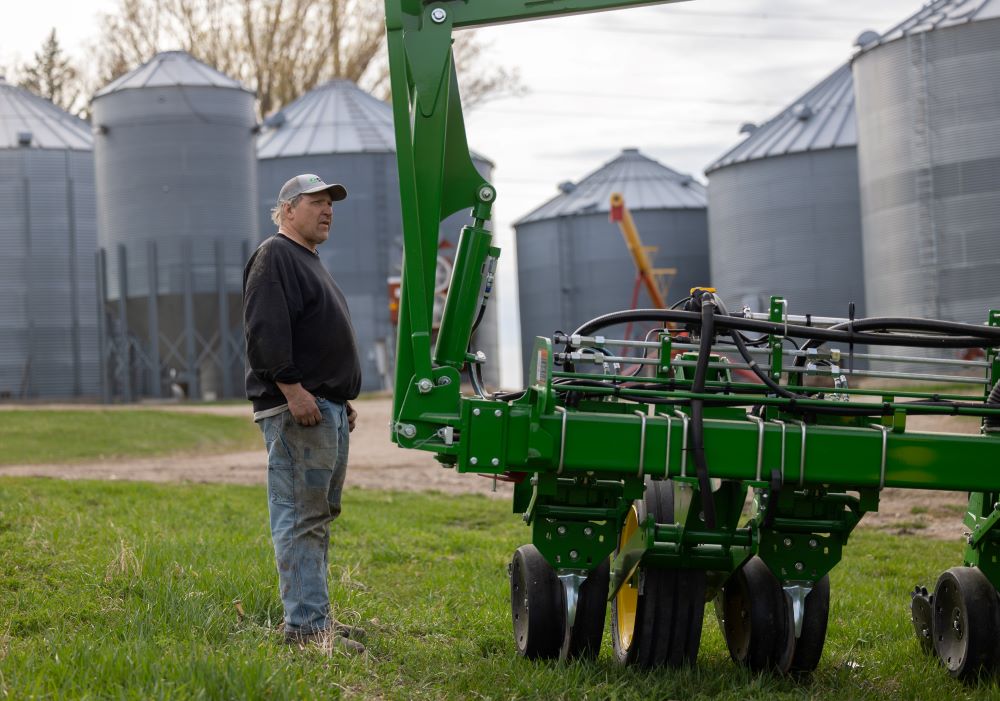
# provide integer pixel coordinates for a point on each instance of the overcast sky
(675, 81)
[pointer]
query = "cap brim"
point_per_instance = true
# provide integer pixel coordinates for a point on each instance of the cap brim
(337, 192)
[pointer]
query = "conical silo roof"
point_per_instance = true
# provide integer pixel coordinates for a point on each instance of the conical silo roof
(822, 118)
(27, 120)
(336, 117)
(171, 69)
(935, 15)
(645, 184)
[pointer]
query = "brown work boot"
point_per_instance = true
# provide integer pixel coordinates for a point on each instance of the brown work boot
(348, 631)
(326, 640)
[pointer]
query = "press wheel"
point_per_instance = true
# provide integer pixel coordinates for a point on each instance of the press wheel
(757, 622)
(584, 640)
(536, 605)
(661, 625)
(809, 644)
(965, 622)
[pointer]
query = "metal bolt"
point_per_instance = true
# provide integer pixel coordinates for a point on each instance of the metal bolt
(495, 462)
(408, 430)
(573, 554)
(473, 461)
(425, 385)
(475, 412)
(438, 15)
(787, 542)
(813, 543)
(444, 380)
(799, 567)
(561, 530)
(497, 413)
(486, 194)
(588, 531)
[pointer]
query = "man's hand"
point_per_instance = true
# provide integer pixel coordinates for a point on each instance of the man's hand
(352, 416)
(301, 403)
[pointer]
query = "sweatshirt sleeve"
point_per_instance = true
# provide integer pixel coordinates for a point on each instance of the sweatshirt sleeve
(267, 318)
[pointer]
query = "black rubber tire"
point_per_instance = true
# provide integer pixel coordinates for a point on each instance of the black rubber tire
(922, 616)
(670, 609)
(756, 619)
(584, 641)
(809, 646)
(536, 605)
(965, 623)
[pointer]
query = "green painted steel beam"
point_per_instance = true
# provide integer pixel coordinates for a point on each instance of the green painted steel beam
(478, 13)
(611, 444)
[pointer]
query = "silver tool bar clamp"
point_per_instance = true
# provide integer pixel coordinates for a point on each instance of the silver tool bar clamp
(802, 455)
(783, 427)
(760, 442)
(562, 440)
(885, 445)
(684, 445)
(642, 442)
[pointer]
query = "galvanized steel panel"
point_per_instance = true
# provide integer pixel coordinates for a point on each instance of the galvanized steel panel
(929, 157)
(47, 309)
(790, 226)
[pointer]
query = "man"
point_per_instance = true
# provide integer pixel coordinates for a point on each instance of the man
(302, 370)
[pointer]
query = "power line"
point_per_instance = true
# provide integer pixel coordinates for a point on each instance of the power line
(647, 97)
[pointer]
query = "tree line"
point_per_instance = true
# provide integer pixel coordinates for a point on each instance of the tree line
(280, 49)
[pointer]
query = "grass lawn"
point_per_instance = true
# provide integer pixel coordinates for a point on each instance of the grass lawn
(142, 591)
(72, 435)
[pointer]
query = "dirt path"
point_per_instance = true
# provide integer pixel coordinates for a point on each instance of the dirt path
(376, 463)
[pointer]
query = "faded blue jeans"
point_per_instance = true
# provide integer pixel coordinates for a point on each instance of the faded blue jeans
(306, 467)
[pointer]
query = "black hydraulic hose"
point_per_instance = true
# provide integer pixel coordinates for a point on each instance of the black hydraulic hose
(976, 336)
(992, 423)
(698, 406)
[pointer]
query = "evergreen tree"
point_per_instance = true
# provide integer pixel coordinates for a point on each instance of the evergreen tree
(52, 75)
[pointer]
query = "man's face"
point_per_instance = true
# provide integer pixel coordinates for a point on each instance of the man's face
(311, 217)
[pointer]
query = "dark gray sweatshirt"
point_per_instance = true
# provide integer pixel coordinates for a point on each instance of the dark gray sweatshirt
(297, 326)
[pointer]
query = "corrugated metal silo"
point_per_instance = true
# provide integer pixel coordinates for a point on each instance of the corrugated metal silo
(345, 135)
(929, 153)
(48, 303)
(177, 192)
(573, 263)
(784, 212)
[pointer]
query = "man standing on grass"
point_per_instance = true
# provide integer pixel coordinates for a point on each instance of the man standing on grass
(302, 370)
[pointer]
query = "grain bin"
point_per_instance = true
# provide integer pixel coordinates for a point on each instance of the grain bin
(783, 207)
(929, 155)
(176, 192)
(345, 135)
(573, 264)
(48, 304)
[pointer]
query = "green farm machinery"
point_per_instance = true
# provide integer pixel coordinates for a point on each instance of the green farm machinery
(724, 459)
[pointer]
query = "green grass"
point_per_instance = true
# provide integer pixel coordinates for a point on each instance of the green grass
(74, 435)
(128, 591)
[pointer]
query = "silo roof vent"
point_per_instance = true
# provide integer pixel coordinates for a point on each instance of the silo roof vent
(567, 186)
(748, 128)
(867, 38)
(802, 111)
(822, 118)
(24, 138)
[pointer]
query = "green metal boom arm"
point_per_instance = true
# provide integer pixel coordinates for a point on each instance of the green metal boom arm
(437, 178)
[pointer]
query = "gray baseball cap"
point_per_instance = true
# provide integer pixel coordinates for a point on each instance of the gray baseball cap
(307, 184)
